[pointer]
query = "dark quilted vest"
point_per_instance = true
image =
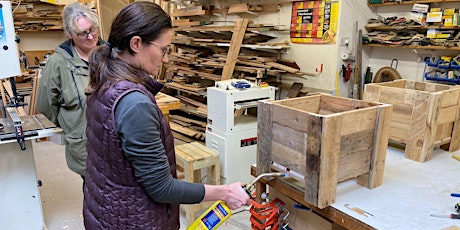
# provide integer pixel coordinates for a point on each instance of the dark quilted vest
(113, 199)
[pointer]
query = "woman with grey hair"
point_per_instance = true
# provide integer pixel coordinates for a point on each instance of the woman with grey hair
(64, 78)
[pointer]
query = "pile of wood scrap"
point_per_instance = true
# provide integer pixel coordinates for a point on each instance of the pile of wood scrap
(205, 51)
(37, 17)
(187, 129)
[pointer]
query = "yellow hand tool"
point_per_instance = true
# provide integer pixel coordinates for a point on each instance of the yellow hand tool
(219, 212)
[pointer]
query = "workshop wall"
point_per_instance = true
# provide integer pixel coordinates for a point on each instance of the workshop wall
(41, 40)
(352, 17)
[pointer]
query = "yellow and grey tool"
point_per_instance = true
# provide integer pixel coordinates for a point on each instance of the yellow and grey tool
(219, 212)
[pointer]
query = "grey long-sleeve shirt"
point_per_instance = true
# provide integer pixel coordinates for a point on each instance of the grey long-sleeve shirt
(137, 123)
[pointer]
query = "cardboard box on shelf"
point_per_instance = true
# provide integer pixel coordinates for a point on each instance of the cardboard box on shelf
(421, 8)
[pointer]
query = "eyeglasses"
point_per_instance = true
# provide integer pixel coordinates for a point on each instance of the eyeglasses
(93, 31)
(164, 49)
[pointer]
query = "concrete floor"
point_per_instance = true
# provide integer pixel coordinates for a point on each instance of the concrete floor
(62, 196)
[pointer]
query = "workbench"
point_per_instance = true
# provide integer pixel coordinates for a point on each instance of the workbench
(410, 193)
(21, 204)
(167, 103)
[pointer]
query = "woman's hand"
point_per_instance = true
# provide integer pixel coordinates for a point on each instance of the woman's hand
(236, 196)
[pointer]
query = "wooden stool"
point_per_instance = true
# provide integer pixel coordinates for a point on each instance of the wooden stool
(193, 157)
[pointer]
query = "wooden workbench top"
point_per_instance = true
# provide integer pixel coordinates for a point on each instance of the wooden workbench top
(410, 193)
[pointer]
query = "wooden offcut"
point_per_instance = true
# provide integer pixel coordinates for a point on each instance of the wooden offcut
(234, 50)
(294, 91)
(425, 115)
(325, 139)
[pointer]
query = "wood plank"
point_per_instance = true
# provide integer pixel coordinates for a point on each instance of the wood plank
(283, 67)
(238, 8)
(447, 115)
(365, 118)
(455, 139)
(329, 159)
(314, 160)
(190, 13)
(294, 91)
(234, 50)
(188, 120)
(450, 97)
(182, 137)
(186, 131)
(188, 22)
(264, 142)
(310, 104)
(288, 148)
(429, 134)
(402, 114)
(294, 118)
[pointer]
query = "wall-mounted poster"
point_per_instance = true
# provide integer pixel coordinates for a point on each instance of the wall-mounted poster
(314, 21)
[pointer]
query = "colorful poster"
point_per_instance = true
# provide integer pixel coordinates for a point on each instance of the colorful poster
(314, 21)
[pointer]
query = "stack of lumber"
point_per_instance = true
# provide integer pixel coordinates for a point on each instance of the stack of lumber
(187, 129)
(37, 17)
(206, 51)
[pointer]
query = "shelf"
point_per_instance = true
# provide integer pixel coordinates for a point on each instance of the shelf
(255, 47)
(34, 31)
(410, 2)
(451, 80)
(37, 18)
(415, 47)
(373, 28)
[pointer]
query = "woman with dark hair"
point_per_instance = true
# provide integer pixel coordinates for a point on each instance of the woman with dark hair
(131, 170)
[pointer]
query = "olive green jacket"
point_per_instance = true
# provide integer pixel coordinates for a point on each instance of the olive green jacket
(62, 100)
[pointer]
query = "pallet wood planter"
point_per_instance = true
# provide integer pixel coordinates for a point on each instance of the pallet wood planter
(325, 139)
(425, 115)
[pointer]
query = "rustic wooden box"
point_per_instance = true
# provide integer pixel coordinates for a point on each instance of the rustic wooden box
(325, 139)
(425, 115)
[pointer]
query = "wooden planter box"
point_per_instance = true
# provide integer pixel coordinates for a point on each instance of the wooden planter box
(325, 139)
(425, 115)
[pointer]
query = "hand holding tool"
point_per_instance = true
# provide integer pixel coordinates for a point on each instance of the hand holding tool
(219, 212)
(249, 186)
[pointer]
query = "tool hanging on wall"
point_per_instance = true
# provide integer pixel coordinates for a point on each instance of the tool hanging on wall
(387, 73)
(346, 72)
(368, 76)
